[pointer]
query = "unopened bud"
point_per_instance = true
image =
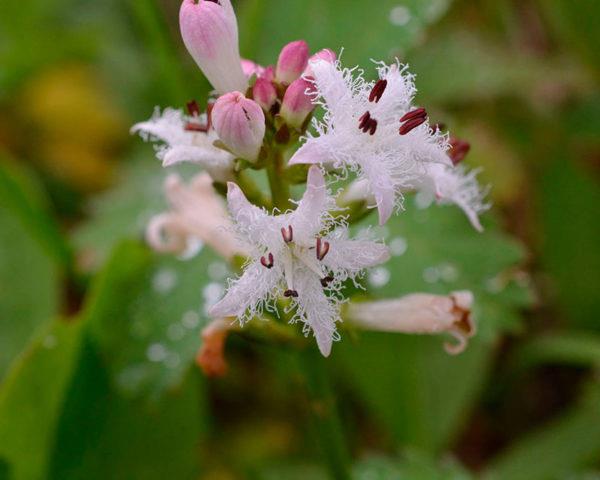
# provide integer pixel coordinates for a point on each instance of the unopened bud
(325, 55)
(209, 31)
(292, 61)
(297, 103)
(240, 124)
(264, 94)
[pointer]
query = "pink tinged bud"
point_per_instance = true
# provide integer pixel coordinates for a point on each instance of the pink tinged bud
(250, 68)
(326, 55)
(264, 94)
(240, 124)
(209, 31)
(297, 104)
(292, 62)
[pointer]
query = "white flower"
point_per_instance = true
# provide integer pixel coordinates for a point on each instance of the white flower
(294, 254)
(455, 185)
(419, 313)
(197, 214)
(186, 139)
(371, 128)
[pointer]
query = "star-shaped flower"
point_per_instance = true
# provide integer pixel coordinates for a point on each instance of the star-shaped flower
(304, 255)
(371, 128)
(186, 139)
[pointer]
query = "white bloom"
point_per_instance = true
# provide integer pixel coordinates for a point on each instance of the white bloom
(371, 128)
(419, 313)
(184, 141)
(455, 185)
(197, 214)
(294, 254)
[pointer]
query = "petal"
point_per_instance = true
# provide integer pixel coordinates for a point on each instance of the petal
(310, 153)
(207, 157)
(168, 126)
(247, 295)
(381, 184)
(318, 311)
(355, 255)
(253, 222)
(307, 219)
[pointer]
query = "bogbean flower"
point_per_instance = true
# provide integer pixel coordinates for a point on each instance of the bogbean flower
(419, 313)
(197, 214)
(303, 255)
(210, 33)
(187, 138)
(372, 128)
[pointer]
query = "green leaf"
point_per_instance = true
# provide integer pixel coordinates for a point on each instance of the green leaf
(411, 385)
(29, 277)
(393, 27)
(31, 399)
(146, 313)
(567, 443)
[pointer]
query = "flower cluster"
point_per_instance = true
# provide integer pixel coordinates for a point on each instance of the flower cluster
(299, 253)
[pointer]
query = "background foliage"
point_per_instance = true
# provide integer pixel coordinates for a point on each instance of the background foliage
(98, 335)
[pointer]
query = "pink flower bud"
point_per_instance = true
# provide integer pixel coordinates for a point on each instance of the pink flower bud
(326, 55)
(240, 124)
(292, 61)
(297, 104)
(209, 31)
(250, 68)
(264, 94)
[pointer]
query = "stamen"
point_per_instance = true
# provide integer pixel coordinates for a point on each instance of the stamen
(367, 124)
(411, 125)
(193, 108)
(267, 264)
(322, 249)
(287, 234)
(377, 91)
(417, 113)
(458, 150)
(290, 293)
(195, 127)
(326, 281)
(438, 127)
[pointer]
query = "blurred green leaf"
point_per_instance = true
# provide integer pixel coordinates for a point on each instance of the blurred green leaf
(29, 276)
(146, 312)
(410, 384)
(31, 399)
(568, 200)
(564, 445)
(393, 27)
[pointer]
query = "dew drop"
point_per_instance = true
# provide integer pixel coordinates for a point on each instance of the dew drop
(156, 352)
(379, 277)
(164, 281)
(175, 332)
(431, 275)
(173, 361)
(448, 272)
(398, 246)
(190, 319)
(212, 293)
(400, 16)
(217, 271)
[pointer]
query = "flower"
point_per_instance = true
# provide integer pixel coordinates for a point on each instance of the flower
(186, 138)
(419, 313)
(296, 254)
(372, 129)
(455, 185)
(240, 124)
(210, 33)
(197, 214)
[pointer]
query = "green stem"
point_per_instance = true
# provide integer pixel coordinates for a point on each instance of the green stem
(280, 190)
(325, 418)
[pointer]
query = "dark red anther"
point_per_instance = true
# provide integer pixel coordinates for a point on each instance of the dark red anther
(417, 113)
(411, 125)
(290, 293)
(367, 124)
(326, 281)
(269, 263)
(377, 91)
(287, 234)
(458, 150)
(195, 127)
(322, 249)
(193, 108)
